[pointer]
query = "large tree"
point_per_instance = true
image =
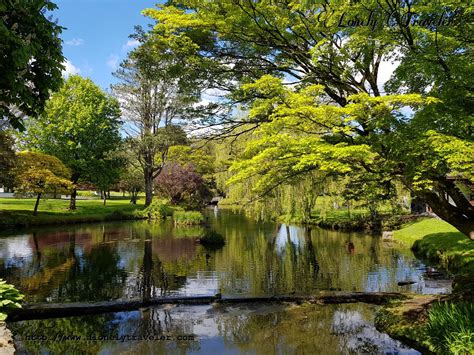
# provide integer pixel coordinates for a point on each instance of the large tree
(80, 126)
(31, 58)
(156, 90)
(336, 117)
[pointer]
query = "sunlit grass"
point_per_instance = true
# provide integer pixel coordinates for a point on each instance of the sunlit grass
(436, 239)
(15, 211)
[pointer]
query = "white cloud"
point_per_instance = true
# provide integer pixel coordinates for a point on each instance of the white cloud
(70, 69)
(131, 43)
(75, 42)
(113, 61)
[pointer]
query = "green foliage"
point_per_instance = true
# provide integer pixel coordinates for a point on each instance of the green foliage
(80, 126)
(201, 159)
(32, 57)
(7, 158)
(152, 76)
(188, 217)
(39, 173)
(10, 298)
(158, 210)
(450, 328)
(335, 118)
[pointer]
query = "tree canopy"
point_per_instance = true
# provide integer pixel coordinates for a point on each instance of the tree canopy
(32, 58)
(80, 126)
(309, 75)
(40, 173)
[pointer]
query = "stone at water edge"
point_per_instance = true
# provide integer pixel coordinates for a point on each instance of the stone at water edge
(6, 340)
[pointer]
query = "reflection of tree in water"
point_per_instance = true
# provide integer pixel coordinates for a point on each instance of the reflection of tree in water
(354, 326)
(83, 327)
(95, 275)
(152, 275)
(252, 328)
(282, 261)
(306, 329)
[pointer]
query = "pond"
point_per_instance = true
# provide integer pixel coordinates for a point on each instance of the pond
(130, 260)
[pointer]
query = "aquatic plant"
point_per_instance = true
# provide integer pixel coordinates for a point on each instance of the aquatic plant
(10, 298)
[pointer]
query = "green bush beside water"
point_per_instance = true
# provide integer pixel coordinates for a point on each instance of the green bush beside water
(158, 210)
(188, 217)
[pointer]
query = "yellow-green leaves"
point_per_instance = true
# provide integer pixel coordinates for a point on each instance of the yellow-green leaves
(39, 173)
(10, 298)
(456, 154)
(301, 132)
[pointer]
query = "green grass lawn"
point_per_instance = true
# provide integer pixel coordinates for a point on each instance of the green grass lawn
(438, 240)
(19, 212)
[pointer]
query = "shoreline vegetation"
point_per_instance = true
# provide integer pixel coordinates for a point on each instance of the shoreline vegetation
(435, 324)
(17, 213)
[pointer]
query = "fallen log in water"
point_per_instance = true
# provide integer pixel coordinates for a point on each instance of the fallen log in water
(60, 310)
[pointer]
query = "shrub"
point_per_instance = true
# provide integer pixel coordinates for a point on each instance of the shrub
(158, 210)
(182, 185)
(10, 298)
(451, 328)
(188, 217)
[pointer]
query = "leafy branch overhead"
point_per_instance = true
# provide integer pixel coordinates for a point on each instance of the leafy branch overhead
(309, 79)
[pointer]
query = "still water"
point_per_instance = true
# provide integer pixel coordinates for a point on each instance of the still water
(141, 260)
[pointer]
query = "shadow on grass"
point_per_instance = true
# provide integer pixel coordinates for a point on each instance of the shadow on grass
(453, 250)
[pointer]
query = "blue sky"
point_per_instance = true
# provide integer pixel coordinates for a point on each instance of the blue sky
(96, 39)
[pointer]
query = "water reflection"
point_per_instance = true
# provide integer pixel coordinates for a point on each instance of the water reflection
(145, 260)
(270, 329)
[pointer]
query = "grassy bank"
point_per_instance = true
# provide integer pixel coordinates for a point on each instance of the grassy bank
(443, 324)
(440, 242)
(19, 212)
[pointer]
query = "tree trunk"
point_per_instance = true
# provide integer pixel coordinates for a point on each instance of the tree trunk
(35, 211)
(460, 215)
(133, 195)
(72, 203)
(105, 198)
(148, 187)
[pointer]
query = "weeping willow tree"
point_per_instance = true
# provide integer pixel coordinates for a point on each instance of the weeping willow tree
(315, 193)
